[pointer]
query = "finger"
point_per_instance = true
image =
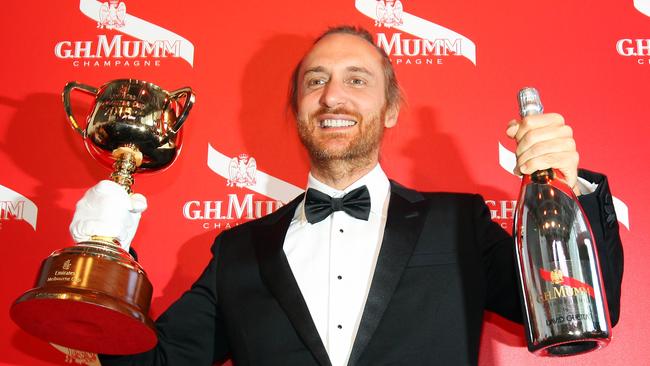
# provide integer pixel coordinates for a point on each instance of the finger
(538, 121)
(106, 194)
(108, 186)
(546, 148)
(512, 128)
(544, 137)
(138, 203)
(566, 162)
(552, 159)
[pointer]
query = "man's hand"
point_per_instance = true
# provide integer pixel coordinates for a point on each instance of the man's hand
(107, 210)
(544, 141)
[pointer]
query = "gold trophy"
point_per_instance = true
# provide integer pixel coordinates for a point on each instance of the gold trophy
(94, 296)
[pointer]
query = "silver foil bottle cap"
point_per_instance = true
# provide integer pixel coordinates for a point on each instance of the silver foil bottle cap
(529, 102)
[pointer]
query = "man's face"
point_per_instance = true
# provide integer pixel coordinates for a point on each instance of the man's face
(342, 107)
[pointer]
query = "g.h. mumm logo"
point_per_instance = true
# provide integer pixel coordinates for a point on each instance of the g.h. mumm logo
(151, 46)
(414, 41)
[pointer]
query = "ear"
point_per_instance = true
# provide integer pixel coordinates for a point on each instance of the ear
(391, 116)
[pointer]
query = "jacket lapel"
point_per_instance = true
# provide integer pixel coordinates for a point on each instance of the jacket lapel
(403, 226)
(276, 273)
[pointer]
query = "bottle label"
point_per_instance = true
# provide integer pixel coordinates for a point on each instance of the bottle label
(566, 299)
(565, 303)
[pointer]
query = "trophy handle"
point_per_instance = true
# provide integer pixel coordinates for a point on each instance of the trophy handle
(189, 102)
(66, 101)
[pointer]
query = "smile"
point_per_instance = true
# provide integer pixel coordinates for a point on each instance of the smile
(329, 123)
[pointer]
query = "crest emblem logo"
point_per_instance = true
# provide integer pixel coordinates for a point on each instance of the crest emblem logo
(389, 13)
(112, 14)
(557, 277)
(66, 265)
(242, 171)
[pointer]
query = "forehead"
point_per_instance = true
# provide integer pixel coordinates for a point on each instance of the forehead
(342, 51)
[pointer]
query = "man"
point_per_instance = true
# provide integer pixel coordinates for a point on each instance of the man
(401, 281)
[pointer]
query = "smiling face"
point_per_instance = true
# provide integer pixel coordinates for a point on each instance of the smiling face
(341, 101)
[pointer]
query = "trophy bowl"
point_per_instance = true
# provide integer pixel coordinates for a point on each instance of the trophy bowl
(94, 296)
(130, 112)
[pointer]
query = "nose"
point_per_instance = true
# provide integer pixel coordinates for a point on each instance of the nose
(333, 95)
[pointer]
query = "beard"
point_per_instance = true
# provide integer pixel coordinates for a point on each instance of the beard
(357, 150)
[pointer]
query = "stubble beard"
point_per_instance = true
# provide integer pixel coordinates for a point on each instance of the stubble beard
(359, 153)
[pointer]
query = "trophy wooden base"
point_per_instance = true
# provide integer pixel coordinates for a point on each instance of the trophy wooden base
(92, 297)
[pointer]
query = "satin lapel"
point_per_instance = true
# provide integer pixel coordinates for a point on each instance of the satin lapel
(276, 274)
(403, 226)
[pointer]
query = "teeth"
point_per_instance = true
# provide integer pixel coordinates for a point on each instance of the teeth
(337, 123)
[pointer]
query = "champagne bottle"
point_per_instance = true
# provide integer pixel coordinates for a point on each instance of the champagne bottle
(564, 304)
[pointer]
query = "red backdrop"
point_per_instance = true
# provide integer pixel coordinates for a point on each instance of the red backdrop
(590, 61)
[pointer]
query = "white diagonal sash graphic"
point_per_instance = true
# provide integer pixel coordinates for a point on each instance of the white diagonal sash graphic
(265, 184)
(508, 161)
(142, 29)
(30, 211)
(643, 6)
(422, 28)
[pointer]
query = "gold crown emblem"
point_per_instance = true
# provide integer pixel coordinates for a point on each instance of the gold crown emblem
(557, 277)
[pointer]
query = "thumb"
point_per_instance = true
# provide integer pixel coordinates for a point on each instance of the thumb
(513, 127)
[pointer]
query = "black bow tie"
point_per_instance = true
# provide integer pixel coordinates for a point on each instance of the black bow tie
(355, 203)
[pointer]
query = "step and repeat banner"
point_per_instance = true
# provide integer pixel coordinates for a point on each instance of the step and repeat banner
(460, 64)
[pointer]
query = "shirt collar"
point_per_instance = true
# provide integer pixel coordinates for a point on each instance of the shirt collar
(375, 180)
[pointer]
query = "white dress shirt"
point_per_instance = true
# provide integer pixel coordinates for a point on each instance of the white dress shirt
(333, 262)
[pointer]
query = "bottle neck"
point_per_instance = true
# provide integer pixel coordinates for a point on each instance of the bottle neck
(543, 176)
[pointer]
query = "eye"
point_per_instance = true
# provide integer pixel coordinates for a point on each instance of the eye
(315, 82)
(357, 81)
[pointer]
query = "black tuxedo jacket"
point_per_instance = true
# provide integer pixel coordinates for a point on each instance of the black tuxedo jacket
(442, 262)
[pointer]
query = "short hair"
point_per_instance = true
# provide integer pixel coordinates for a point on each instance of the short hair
(392, 90)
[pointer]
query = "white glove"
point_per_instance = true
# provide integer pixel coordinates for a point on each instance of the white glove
(108, 210)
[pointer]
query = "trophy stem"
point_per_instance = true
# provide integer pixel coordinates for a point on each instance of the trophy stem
(127, 159)
(107, 241)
